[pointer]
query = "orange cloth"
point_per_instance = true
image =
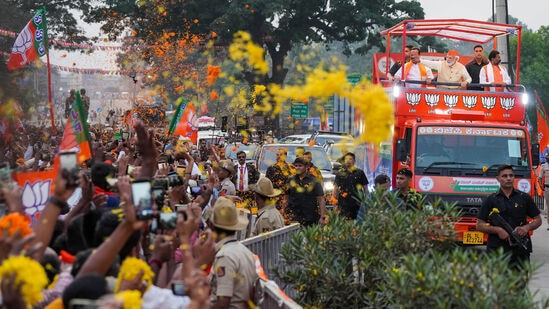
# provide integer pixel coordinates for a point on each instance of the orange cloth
(422, 71)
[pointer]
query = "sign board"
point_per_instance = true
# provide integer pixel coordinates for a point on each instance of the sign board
(353, 79)
(300, 110)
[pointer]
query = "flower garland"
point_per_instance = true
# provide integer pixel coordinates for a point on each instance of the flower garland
(131, 299)
(131, 267)
(14, 222)
(29, 274)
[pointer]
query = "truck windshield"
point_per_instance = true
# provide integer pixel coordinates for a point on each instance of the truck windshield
(470, 147)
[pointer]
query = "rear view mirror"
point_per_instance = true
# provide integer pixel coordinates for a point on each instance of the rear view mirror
(401, 151)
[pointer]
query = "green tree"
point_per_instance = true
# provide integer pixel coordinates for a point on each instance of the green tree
(275, 24)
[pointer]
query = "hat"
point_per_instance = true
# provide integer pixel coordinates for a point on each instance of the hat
(405, 172)
(453, 53)
(225, 216)
(264, 187)
(300, 161)
(228, 166)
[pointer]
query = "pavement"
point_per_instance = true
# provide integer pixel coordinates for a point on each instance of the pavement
(540, 255)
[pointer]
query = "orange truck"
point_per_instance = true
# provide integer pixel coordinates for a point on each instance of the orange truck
(453, 140)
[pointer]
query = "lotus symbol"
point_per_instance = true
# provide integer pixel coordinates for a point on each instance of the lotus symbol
(507, 104)
(432, 100)
(469, 101)
(450, 100)
(23, 42)
(488, 103)
(413, 99)
(35, 196)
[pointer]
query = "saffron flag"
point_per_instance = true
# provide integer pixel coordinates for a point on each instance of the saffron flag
(30, 43)
(76, 134)
(184, 122)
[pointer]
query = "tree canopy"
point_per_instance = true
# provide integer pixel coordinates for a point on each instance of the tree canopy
(275, 24)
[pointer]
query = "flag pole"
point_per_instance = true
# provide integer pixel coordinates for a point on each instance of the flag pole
(48, 66)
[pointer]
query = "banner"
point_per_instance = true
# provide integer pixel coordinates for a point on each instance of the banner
(30, 43)
(37, 187)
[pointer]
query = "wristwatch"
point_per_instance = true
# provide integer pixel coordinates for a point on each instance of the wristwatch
(61, 204)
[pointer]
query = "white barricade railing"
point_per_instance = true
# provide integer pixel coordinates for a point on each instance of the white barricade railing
(267, 247)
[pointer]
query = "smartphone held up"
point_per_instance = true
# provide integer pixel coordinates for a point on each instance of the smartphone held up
(142, 199)
(69, 164)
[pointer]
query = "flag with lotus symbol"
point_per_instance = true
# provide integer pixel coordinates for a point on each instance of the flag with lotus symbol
(184, 122)
(30, 43)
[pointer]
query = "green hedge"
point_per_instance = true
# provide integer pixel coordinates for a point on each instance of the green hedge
(397, 259)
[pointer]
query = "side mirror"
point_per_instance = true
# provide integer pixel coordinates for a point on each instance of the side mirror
(535, 155)
(401, 151)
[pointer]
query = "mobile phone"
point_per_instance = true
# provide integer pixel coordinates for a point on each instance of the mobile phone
(69, 164)
(5, 176)
(68, 160)
(178, 288)
(167, 220)
(142, 199)
(196, 191)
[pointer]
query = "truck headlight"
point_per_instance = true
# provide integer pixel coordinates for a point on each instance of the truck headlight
(328, 186)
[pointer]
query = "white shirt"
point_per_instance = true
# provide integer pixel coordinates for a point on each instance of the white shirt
(414, 74)
(242, 174)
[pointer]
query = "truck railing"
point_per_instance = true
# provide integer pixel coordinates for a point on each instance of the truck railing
(436, 83)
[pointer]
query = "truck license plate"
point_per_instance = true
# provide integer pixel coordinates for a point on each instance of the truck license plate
(473, 238)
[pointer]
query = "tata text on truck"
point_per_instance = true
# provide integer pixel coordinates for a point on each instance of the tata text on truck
(453, 140)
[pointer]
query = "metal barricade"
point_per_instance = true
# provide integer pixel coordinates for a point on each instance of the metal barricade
(540, 202)
(267, 246)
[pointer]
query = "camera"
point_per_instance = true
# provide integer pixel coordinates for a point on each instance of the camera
(170, 181)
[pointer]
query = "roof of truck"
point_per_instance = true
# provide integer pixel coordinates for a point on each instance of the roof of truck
(460, 29)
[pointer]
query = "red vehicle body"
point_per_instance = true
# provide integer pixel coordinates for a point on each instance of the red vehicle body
(453, 140)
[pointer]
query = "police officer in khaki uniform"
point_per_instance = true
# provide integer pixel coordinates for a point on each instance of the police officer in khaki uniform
(224, 171)
(268, 217)
(544, 179)
(233, 271)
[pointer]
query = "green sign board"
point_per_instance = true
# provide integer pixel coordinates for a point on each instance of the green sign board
(354, 78)
(300, 110)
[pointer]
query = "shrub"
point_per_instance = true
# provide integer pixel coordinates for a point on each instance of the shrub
(395, 259)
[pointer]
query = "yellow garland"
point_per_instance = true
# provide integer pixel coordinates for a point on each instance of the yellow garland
(29, 273)
(130, 269)
(131, 299)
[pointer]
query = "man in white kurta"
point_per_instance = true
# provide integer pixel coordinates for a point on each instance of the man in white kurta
(450, 70)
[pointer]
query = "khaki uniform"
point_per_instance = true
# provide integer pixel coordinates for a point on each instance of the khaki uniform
(233, 273)
(227, 185)
(268, 219)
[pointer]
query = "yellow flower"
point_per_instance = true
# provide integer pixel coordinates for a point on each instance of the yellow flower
(243, 50)
(29, 273)
(130, 269)
(131, 298)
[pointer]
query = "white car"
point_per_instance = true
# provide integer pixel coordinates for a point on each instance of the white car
(266, 156)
